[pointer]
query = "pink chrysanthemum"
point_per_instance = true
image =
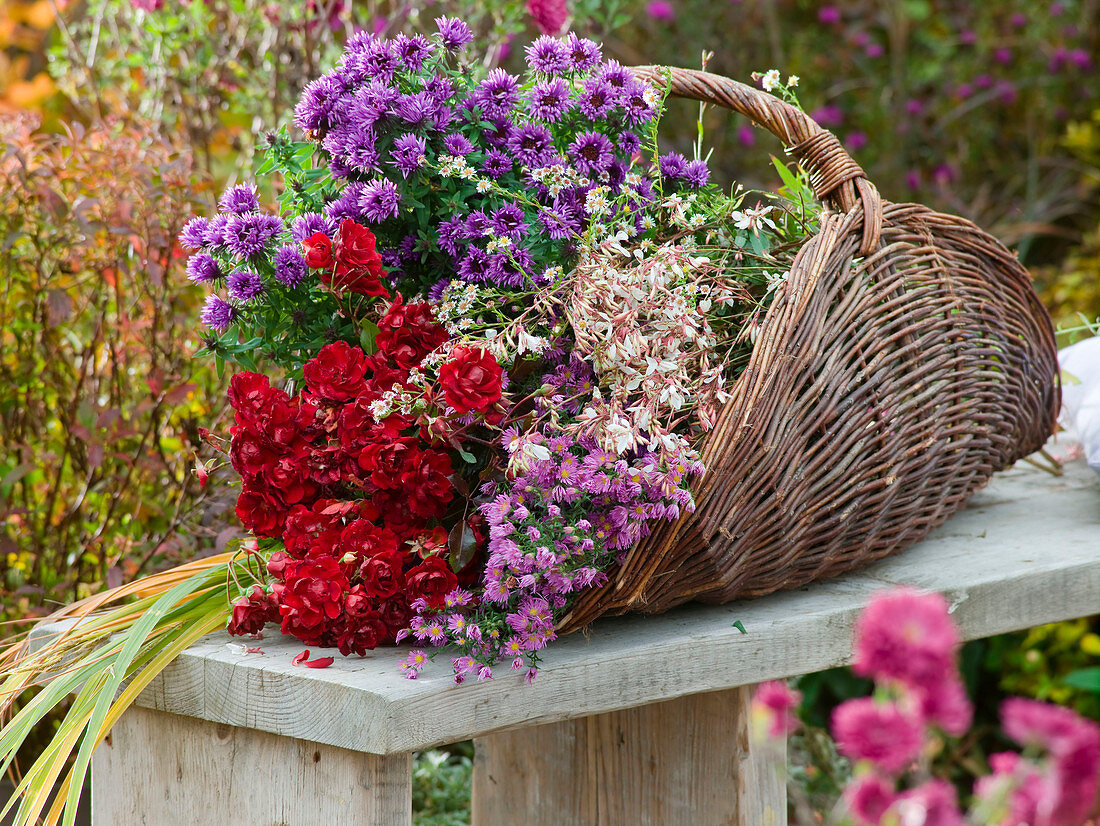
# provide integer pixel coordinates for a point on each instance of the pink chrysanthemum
(905, 635)
(1032, 723)
(868, 797)
(549, 15)
(946, 705)
(930, 804)
(775, 703)
(883, 733)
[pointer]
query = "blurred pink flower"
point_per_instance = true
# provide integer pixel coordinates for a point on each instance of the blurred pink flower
(933, 803)
(745, 135)
(776, 702)
(890, 737)
(868, 797)
(855, 140)
(549, 15)
(1056, 729)
(829, 115)
(874, 50)
(946, 705)
(912, 179)
(904, 634)
(828, 15)
(660, 10)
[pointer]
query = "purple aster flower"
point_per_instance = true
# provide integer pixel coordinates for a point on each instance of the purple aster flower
(598, 99)
(290, 266)
(508, 221)
(548, 55)
(510, 269)
(635, 107)
(412, 51)
(218, 314)
(497, 95)
(531, 144)
(453, 33)
(474, 267)
(476, 224)
(591, 152)
(346, 205)
(309, 224)
(248, 234)
(584, 54)
(417, 110)
(672, 165)
(371, 103)
(560, 223)
(202, 269)
(549, 100)
(440, 88)
(316, 109)
(380, 200)
(214, 234)
(193, 235)
(354, 146)
(496, 163)
(448, 235)
(696, 173)
(457, 144)
(435, 293)
(615, 74)
(240, 199)
(245, 285)
(498, 134)
(408, 153)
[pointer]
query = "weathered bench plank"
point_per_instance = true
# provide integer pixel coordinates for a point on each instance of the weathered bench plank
(1025, 551)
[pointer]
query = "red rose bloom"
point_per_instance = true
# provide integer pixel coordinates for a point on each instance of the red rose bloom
(471, 380)
(318, 251)
(408, 332)
(358, 264)
(313, 593)
(395, 613)
(388, 461)
(337, 372)
(359, 634)
(432, 580)
(426, 484)
(383, 574)
(249, 394)
(260, 513)
(252, 611)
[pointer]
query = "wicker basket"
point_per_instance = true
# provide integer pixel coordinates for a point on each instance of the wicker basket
(907, 359)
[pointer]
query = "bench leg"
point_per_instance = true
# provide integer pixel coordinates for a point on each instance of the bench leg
(159, 769)
(684, 761)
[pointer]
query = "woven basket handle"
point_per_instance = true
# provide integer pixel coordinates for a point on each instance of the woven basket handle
(837, 180)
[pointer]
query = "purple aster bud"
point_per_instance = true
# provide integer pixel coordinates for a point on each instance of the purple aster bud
(457, 144)
(453, 33)
(218, 314)
(380, 200)
(584, 54)
(440, 88)
(290, 266)
(412, 51)
(248, 234)
(193, 235)
(310, 223)
(202, 269)
(548, 55)
(549, 100)
(531, 144)
(591, 152)
(408, 153)
(245, 285)
(240, 199)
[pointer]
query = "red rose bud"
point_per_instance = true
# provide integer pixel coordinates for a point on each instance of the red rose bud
(471, 380)
(318, 251)
(200, 472)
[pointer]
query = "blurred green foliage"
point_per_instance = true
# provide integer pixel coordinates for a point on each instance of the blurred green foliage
(441, 786)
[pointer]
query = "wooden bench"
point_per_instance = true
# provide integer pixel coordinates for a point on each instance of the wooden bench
(641, 721)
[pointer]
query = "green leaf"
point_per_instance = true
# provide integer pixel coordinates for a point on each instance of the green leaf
(1085, 678)
(740, 627)
(367, 336)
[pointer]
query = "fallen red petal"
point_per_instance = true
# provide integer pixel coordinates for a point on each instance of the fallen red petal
(301, 657)
(320, 662)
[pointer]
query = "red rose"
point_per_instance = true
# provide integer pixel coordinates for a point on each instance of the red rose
(471, 380)
(394, 507)
(358, 264)
(427, 486)
(403, 347)
(360, 633)
(304, 525)
(318, 251)
(276, 565)
(383, 574)
(409, 332)
(337, 372)
(431, 580)
(249, 394)
(313, 594)
(395, 613)
(388, 461)
(260, 513)
(251, 612)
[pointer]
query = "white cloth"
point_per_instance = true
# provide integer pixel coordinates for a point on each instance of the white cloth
(1080, 365)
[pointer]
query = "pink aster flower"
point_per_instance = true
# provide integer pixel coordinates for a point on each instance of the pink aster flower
(660, 10)
(907, 636)
(946, 705)
(548, 15)
(773, 705)
(930, 804)
(883, 733)
(868, 797)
